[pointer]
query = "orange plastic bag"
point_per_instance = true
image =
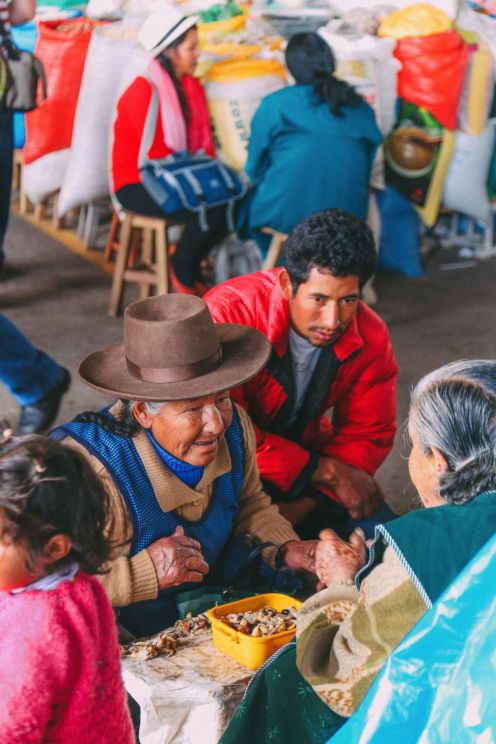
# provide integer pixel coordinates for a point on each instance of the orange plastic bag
(63, 53)
(433, 73)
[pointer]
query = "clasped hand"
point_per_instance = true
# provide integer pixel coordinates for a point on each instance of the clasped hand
(177, 559)
(338, 560)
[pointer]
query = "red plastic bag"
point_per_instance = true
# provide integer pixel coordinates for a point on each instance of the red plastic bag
(433, 73)
(63, 53)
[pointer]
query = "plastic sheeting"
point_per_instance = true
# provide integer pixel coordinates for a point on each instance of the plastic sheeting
(439, 684)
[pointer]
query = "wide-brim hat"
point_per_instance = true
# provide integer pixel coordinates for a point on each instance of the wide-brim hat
(173, 350)
(163, 27)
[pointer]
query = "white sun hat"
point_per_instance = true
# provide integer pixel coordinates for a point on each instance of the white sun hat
(164, 26)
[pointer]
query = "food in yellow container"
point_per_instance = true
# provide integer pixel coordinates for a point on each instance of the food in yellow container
(252, 641)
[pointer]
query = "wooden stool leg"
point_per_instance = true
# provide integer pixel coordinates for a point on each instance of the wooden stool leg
(162, 259)
(135, 246)
(112, 237)
(120, 268)
(57, 221)
(274, 252)
(23, 198)
(40, 211)
(147, 259)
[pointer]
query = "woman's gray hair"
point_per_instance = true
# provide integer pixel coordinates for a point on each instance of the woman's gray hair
(454, 409)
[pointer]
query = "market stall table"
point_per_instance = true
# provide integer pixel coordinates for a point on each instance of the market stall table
(189, 697)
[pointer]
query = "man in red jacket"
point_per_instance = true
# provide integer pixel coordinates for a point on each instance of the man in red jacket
(330, 352)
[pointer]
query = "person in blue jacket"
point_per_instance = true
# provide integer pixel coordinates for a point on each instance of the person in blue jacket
(35, 380)
(311, 146)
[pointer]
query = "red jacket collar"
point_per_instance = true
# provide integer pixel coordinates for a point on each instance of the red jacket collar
(278, 326)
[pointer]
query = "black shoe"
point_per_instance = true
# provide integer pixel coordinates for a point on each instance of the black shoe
(38, 416)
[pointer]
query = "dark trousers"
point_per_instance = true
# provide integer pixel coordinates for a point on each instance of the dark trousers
(6, 145)
(194, 244)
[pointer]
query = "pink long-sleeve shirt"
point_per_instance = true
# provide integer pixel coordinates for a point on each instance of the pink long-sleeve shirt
(60, 679)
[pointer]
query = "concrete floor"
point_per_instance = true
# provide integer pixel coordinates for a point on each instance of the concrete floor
(59, 300)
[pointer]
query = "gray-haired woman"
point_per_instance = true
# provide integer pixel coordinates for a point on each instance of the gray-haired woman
(346, 632)
(176, 456)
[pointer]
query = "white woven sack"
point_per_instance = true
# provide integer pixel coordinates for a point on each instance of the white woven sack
(232, 106)
(104, 8)
(43, 176)
(450, 7)
(87, 175)
(378, 82)
(465, 186)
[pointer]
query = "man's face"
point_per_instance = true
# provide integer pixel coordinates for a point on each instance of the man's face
(323, 306)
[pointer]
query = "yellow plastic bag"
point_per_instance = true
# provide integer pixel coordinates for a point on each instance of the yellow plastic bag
(225, 26)
(420, 19)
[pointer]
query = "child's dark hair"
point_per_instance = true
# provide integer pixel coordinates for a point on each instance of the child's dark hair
(46, 489)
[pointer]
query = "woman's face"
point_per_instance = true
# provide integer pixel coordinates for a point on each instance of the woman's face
(425, 471)
(191, 430)
(184, 57)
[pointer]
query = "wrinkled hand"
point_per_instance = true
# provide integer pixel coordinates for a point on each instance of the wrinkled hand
(296, 511)
(177, 559)
(338, 560)
(355, 489)
(299, 554)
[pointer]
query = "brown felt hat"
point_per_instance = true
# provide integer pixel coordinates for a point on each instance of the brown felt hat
(173, 350)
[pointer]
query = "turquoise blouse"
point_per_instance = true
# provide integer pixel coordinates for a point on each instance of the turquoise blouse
(302, 158)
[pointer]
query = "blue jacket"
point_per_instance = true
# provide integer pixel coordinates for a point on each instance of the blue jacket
(302, 158)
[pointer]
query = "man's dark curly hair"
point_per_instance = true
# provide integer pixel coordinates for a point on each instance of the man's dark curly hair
(46, 489)
(332, 240)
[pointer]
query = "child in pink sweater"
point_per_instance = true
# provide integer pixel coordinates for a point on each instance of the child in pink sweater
(60, 679)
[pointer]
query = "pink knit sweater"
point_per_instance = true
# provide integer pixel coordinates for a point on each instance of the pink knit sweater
(60, 680)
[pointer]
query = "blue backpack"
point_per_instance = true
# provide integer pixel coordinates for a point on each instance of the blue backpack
(193, 182)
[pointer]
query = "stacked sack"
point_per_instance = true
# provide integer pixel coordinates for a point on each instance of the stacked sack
(62, 48)
(114, 58)
(239, 66)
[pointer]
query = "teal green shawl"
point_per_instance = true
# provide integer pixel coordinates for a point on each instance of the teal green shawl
(434, 545)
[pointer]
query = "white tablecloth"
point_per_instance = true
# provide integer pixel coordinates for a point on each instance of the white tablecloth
(187, 698)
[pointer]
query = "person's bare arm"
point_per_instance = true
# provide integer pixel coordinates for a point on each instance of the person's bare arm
(21, 11)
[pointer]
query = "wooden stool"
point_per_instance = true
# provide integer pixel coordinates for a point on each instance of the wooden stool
(112, 244)
(153, 273)
(275, 248)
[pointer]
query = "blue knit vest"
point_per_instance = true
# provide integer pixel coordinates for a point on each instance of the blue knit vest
(120, 458)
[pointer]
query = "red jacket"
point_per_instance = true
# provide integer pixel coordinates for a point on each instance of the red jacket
(363, 371)
(138, 134)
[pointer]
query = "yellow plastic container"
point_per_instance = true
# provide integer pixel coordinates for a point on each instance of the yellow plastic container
(247, 650)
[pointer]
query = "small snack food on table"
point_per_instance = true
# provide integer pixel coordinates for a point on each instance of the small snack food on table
(166, 642)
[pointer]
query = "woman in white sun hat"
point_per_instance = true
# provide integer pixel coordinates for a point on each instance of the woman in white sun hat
(163, 111)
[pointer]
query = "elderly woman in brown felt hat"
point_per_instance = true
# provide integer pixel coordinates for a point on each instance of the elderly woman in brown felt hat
(177, 457)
